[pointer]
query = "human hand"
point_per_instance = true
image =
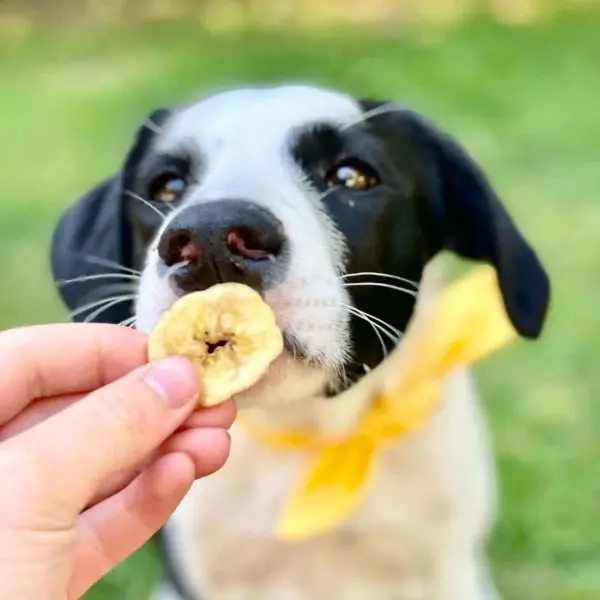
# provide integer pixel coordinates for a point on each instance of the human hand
(97, 449)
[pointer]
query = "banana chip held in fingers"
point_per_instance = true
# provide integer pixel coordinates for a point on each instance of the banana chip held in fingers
(227, 331)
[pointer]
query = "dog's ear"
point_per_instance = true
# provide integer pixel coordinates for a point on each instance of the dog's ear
(468, 218)
(94, 236)
(91, 238)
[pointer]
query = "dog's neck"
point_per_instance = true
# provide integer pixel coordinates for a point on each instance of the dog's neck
(321, 415)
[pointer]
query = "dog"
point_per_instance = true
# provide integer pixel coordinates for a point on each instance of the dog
(337, 210)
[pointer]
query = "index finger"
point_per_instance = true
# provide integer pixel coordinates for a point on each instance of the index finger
(49, 360)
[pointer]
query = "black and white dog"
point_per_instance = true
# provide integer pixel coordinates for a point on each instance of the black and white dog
(334, 209)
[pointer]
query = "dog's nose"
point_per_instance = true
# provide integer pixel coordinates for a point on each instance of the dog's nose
(222, 241)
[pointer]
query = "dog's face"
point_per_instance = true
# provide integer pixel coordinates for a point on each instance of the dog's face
(330, 207)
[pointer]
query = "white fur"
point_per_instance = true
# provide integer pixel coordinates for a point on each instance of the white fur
(421, 531)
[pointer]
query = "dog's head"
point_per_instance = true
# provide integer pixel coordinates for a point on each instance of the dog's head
(329, 206)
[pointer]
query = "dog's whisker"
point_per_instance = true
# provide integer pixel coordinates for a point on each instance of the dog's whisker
(146, 203)
(392, 334)
(383, 285)
(100, 310)
(383, 275)
(106, 293)
(386, 108)
(325, 194)
(103, 301)
(375, 327)
(111, 265)
(105, 307)
(152, 126)
(130, 322)
(395, 334)
(128, 276)
(376, 330)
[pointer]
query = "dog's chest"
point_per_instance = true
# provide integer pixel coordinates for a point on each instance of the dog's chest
(237, 554)
(417, 496)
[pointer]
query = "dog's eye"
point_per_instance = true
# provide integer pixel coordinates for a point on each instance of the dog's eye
(167, 188)
(353, 175)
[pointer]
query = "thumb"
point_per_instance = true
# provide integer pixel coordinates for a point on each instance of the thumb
(68, 457)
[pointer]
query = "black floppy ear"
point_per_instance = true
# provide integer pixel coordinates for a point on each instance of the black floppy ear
(94, 235)
(91, 237)
(476, 226)
(469, 219)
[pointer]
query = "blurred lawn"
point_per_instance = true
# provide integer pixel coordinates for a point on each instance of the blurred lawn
(526, 104)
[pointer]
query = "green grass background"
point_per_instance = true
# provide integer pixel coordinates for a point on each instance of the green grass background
(525, 102)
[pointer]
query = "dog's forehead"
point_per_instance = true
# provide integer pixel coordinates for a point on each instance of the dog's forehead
(269, 115)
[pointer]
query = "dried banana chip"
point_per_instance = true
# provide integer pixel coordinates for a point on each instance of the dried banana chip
(228, 331)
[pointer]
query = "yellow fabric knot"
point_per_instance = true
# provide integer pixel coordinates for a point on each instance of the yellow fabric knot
(465, 323)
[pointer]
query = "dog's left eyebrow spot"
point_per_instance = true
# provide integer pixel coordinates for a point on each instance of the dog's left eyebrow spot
(320, 143)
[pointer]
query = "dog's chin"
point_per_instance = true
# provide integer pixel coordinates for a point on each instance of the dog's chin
(297, 374)
(288, 380)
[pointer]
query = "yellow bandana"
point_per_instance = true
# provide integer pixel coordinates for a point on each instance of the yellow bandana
(463, 325)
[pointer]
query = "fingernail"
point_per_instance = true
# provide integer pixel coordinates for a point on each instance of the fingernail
(176, 379)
